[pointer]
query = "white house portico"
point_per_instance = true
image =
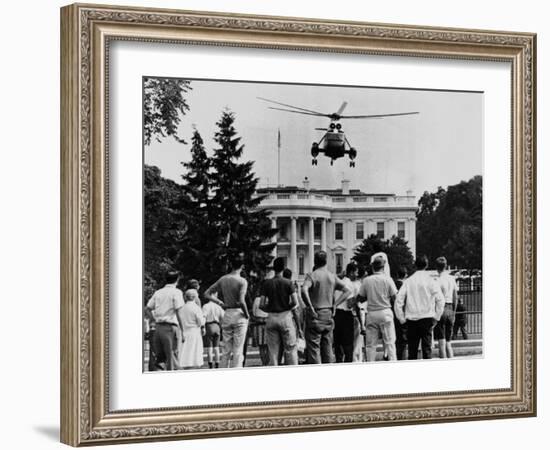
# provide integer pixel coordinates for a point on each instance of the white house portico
(334, 220)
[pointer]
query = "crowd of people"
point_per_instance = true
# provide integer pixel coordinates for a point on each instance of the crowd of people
(328, 319)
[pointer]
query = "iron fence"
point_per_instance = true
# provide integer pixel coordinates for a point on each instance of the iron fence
(470, 291)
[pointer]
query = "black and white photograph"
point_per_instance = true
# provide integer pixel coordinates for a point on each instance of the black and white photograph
(293, 224)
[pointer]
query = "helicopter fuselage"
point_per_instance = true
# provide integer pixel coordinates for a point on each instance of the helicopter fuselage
(335, 144)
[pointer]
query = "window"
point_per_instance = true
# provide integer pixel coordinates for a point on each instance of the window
(401, 230)
(338, 231)
(359, 230)
(339, 262)
(282, 231)
(317, 230)
(301, 260)
(380, 230)
(302, 231)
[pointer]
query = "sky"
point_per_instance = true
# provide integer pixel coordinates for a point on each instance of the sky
(441, 146)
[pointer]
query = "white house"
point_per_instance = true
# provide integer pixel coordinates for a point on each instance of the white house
(334, 220)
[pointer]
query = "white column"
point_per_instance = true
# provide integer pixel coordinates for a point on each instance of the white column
(349, 239)
(311, 248)
(391, 228)
(293, 259)
(412, 235)
(274, 237)
(369, 227)
(324, 235)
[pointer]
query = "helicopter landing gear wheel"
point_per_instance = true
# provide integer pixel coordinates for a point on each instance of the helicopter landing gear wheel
(314, 162)
(332, 162)
(352, 164)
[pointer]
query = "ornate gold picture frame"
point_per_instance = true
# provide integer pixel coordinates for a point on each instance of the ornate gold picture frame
(86, 34)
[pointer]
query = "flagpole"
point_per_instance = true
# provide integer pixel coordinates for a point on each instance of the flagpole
(278, 157)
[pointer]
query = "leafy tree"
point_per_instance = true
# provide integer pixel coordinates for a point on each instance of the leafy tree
(396, 248)
(163, 105)
(165, 224)
(450, 224)
(241, 227)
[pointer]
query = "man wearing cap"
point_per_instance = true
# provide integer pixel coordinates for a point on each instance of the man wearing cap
(379, 291)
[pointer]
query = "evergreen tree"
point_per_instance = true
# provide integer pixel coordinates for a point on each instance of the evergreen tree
(198, 250)
(241, 227)
(397, 250)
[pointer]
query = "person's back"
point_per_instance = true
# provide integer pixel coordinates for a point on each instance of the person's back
(419, 290)
(322, 288)
(213, 315)
(212, 312)
(192, 315)
(447, 284)
(318, 291)
(379, 289)
(165, 302)
(419, 304)
(230, 287)
(278, 291)
(232, 290)
(165, 307)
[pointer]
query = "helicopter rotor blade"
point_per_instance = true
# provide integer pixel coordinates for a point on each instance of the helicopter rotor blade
(291, 106)
(299, 112)
(379, 116)
(341, 110)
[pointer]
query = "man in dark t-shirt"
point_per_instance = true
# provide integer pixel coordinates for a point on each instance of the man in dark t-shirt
(278, 298)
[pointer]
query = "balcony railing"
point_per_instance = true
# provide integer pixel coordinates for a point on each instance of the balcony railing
(351, 201)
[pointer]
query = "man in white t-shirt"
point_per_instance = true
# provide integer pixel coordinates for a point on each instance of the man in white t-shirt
(213, 315)
(379, 291)
(165, 308)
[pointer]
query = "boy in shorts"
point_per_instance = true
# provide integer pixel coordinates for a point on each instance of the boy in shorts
(213, 314)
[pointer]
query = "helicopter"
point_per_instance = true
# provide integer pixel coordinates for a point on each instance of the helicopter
(334, 143)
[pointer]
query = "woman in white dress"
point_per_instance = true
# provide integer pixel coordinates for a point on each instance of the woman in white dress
(191, 356)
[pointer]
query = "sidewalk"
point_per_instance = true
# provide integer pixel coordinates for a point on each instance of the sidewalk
(461, 348)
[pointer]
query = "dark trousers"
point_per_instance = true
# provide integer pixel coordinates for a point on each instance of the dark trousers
(462, 328)
(153, 360)
(165, 344)
(420, 332)
(319, 337)
(400, 340)
(344, 335)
